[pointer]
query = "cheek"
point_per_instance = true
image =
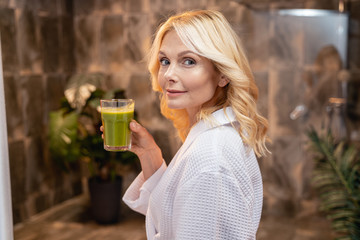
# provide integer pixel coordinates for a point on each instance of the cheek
(160, 79)
(203, 90)
(205, 83)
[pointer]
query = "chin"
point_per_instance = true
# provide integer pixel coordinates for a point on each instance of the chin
(171, 106)
(174, 105)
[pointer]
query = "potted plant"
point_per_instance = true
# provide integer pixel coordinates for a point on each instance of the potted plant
(74, 135)
(336, 177)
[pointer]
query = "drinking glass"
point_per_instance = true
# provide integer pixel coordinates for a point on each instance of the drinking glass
(116, 115)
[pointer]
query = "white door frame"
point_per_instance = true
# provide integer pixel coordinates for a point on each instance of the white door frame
(6, 222)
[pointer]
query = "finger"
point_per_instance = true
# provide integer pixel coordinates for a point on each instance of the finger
(136, 128)
(101, 128)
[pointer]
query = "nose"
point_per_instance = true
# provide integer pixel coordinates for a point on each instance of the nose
(170, 74)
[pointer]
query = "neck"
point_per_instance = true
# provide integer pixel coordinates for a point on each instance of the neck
(192, 112)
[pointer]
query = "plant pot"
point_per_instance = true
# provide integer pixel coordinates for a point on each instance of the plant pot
(105, 197)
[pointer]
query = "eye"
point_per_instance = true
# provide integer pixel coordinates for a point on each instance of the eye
(189, 61)
(164, 61)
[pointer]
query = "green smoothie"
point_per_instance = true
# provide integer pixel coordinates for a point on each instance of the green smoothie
(117, 135)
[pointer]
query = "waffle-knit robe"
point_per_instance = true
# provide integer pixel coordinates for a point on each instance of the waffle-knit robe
(212, 189)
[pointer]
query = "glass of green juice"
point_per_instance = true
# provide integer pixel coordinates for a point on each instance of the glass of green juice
(116, 115)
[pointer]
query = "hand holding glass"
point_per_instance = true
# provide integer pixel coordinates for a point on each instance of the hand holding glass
(116, 115)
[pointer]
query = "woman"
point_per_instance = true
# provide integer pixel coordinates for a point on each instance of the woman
(212, 189)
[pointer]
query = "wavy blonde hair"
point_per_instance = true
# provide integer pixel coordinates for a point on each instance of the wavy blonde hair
(209, 34)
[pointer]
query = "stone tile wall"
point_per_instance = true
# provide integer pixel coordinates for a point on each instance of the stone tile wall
(354, 34)
(46, 41)
(37, 43)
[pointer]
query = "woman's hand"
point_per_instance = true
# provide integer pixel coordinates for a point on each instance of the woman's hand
(144, 146)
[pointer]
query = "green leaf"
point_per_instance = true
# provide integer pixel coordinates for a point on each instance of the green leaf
(348, 161)
(63, 136)
(323, 180)
(338, 152)
(341, 214)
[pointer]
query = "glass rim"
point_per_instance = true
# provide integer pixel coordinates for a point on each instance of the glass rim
(117, 100)
(117, 103)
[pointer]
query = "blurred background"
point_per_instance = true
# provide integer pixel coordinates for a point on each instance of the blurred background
(305, 56)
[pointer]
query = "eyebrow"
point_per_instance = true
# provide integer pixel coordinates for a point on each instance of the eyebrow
(180, 54)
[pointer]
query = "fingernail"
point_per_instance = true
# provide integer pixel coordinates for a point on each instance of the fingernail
(133, 125)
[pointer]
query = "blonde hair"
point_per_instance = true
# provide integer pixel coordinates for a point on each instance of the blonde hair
(208, 34)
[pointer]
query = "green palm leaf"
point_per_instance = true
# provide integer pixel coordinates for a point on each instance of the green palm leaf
(336, 176)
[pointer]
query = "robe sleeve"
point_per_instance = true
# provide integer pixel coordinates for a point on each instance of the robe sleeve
(138, 193)
(213, 206)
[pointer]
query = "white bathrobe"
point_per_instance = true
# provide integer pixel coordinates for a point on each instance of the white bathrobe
(212, 189)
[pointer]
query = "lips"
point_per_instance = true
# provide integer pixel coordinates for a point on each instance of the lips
(174, 92)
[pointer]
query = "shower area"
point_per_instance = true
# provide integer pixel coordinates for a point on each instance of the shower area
(307, 87)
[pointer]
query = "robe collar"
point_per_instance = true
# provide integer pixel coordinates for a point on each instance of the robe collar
(218, 118)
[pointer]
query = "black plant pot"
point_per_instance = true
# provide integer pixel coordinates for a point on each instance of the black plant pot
(105, 199)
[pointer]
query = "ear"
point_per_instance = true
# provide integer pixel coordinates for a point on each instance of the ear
(223, 81)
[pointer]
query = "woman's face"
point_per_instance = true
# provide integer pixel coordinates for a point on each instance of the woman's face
(188, 80)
